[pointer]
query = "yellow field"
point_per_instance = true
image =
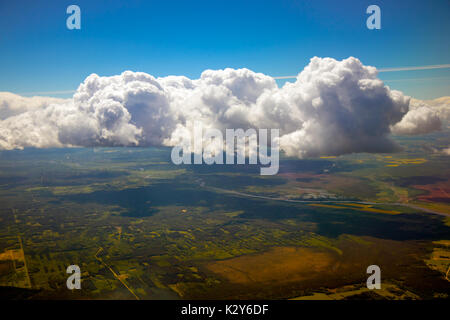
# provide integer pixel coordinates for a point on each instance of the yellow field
(388, 291)
(440, 258)
(355, 206)
(13, 254)
(397, 162)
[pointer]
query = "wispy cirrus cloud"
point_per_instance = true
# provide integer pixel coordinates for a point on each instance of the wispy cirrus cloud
(394, 69)
(417, 79)
(436, 66)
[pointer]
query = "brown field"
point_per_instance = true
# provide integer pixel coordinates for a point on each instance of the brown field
(281, 264)
(438, 192)
(336, 184)
(285, 272)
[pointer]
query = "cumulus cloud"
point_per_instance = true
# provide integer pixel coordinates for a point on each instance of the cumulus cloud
(441, 106)
(446, 151)
(333, 107)
(12, 104)
(424, 117)
(418, 121)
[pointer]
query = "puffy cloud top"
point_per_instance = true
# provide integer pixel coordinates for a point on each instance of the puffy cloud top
(12, 104)
(424, 117)
(418, 121)
(334, 107)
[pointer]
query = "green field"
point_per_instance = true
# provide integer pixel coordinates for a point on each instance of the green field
(140, 227)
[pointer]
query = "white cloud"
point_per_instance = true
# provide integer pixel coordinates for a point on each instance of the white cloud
(418, 121)
(12, 104)
(334, 107)
(440, 105)
(424, 117)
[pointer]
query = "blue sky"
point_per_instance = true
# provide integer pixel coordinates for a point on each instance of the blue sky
(40, 55)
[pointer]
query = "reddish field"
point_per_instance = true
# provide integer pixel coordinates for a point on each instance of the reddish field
(438, 192)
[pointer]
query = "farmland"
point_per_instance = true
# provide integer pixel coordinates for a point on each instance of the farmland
(140, 227)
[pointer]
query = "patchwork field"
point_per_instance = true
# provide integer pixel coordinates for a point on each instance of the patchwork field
(140, 227)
